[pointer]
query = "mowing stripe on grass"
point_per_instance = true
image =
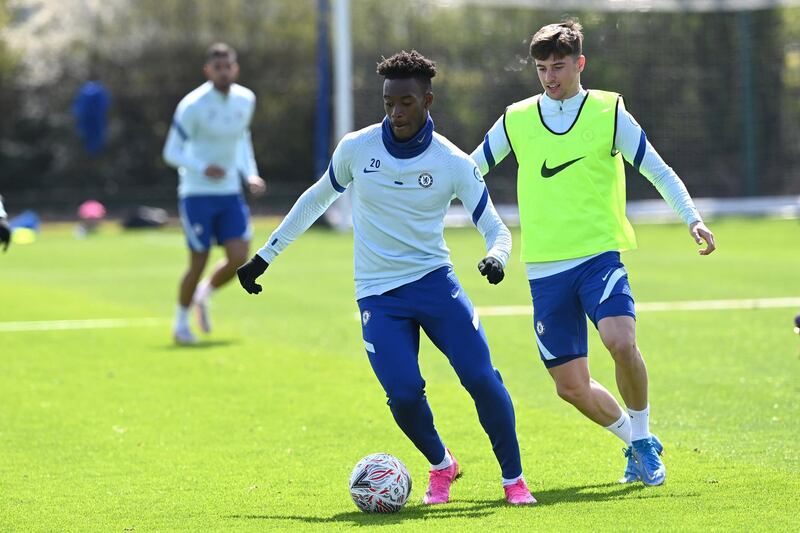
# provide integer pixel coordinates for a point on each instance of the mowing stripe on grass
(54, 325)
(690, 305)
(499, 310)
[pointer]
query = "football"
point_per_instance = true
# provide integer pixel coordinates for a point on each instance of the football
(380, 483)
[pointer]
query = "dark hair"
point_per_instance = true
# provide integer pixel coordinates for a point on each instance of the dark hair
(408, 65)
(220, 50)
(559, 40)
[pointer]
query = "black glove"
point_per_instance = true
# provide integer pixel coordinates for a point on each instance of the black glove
(5, 233)
(492, 269)
(248, 273)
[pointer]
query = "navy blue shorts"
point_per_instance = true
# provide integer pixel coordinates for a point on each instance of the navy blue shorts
(595, 289)
(221, 217)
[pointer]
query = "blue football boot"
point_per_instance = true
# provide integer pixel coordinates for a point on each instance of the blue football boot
(631, 468)
(646, 453)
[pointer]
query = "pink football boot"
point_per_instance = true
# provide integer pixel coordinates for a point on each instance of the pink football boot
(518, 493)
(439, 483)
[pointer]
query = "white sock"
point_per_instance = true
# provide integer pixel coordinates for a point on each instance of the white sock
(640, 423)
(203, 290)
(182, 316)
(622, 428)
(446, 462)
(511, 481)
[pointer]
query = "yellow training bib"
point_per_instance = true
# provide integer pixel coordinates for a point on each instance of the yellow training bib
(570, 186)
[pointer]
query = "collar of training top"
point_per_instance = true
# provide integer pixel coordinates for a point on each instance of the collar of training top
(572, 103)
(410, 148)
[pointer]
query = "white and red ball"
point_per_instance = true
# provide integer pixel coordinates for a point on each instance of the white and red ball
(380, 483)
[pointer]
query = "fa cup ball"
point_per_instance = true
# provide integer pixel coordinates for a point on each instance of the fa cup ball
(380, 483)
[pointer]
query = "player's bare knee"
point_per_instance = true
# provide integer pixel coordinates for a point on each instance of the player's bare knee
(573, 393)
(236, 260)
(237, 252)
(623, 350)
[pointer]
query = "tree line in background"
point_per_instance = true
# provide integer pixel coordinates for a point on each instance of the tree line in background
(706, 87)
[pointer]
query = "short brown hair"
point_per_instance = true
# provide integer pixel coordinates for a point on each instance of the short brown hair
(220, 50)
(559, 40)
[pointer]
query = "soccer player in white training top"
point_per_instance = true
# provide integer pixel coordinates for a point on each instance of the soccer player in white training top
(209, 143)
(403, 176)
(569, 143)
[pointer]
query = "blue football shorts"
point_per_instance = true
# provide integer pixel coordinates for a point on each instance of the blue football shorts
(222, 218)
(597, 288)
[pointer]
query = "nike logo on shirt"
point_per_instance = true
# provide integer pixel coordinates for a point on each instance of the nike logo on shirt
(550, 172)
(367, 171)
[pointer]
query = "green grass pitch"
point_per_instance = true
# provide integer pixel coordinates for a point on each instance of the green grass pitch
(116, 429)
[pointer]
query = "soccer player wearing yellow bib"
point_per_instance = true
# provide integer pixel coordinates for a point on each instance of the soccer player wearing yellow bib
(569, 143)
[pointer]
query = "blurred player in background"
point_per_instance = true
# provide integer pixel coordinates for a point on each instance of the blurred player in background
(209, 143)
(403, 177)
(569, 143)
(5, 230)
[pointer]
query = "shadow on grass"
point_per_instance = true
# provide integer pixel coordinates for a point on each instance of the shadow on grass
(200, 345)
(460, 509)
(467, 508)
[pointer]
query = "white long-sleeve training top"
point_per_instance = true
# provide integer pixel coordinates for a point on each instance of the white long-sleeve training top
(211, 127)
(398, 208)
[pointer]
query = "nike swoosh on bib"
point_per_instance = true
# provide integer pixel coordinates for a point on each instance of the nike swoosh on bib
(550, 172)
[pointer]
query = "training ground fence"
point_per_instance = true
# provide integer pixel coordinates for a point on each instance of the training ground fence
(715, 85)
